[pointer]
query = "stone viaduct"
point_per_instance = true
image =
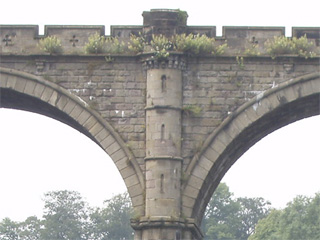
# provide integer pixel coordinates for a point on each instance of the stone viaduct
(173, 127)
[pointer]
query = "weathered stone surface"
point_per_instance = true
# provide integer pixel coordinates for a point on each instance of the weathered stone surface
(173, 127)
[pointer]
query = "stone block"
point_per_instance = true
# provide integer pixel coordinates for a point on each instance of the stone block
(107, 141)
(20, 85)
(29, 88)
(135, 190)
(137, 200)
(188, 201)
(116, 156)
(191, 191)
(47, 93)
(103, 134)
(82, 118)
(112, 148)
(131, 180)
(38, 90)
(211, 153)
(200, 172)
(195, 182)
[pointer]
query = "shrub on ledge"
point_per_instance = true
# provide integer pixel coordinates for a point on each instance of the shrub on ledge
(50, 44)
(282, 45)
(99, 44)
(198, 45)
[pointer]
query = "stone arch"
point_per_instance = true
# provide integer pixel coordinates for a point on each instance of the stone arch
(24, 91)
(270, 110)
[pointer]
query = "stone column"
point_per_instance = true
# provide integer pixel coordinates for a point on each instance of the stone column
(163, 142)
(163, 218)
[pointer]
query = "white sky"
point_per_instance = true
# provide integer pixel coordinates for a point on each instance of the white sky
(38, 154)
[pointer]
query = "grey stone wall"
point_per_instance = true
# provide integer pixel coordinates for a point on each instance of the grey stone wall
(218, 86)
(117, 90)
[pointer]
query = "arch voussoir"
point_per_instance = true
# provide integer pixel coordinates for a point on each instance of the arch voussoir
(96, 128)
(20, 84)
(29, 88)
(101, 135)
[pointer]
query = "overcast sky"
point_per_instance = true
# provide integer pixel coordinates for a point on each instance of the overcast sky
(39, 154)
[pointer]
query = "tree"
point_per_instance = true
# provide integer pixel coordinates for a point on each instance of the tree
(220, 220)
(299, 220)
(65, 216)
(251, 211)
(113, 220)
(9, 230)
(30, 228)
(227, 217)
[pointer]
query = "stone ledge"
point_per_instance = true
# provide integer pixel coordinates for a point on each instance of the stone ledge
(164, 158)
(167, 222)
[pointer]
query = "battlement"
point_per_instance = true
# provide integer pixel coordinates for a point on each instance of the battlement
(24, 39)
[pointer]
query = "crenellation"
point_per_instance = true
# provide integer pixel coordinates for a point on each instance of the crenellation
(310, 32)
(209, 31)
(124, 32)
(18, 38)
(24, 39)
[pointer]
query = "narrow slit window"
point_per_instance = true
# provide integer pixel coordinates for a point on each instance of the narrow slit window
(162, 132)
(161, 183)
(163, 83)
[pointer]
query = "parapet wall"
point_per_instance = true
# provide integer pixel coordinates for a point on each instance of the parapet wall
(23, 39)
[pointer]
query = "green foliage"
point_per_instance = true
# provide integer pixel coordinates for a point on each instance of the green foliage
(99, 44)
(299, 220)
(136, 43)
(161, 45)
(95, 44)
(192, 110)
(251, 211)
(27, 230)
(30, 229)
(198, 45)
(252, 51)
(9, 230)
(51, 44)
(240, 62)
(282, 45)
(112, 221)
(66, 216)
(230, 218)
(113, 45)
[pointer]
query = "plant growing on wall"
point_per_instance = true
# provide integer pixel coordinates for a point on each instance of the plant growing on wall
(50, 44)
(136, 44)
(95, 44)
(161, 45)
(113, 45)
(99, 44)
(192, 110)
(252, 51)
(198, 45)
(281, 45)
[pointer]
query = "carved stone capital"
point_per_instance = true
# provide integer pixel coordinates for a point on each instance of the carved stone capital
(174, 61)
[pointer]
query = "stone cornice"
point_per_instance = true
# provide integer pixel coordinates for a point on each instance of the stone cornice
(174, 61)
